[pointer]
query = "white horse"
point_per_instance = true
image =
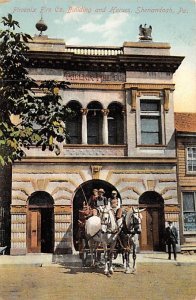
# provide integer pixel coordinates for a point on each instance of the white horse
(128, 237)
(105, 235)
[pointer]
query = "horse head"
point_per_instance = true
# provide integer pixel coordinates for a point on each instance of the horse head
(133, 220)
(108, 222)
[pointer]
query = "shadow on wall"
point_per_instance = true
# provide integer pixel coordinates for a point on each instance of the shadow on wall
(171, 143)
(5, 202)
(64, 242)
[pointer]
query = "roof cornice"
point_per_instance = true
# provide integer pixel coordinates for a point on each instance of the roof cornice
(119, 62)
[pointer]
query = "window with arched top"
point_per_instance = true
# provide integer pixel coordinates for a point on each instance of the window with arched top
(74, 123)
(115, 124)
(94, 123)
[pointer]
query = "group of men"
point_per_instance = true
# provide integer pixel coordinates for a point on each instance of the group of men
(98, 199)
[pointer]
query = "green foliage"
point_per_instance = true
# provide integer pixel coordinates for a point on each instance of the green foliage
(41, 119)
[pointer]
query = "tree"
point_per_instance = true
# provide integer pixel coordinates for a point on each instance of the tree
(41, 119)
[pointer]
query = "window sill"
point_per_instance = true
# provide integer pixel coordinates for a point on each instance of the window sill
(151, 146)
(189, 232)
(92, 146)
(190, 174)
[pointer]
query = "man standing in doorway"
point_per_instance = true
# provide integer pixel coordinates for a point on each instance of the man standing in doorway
(171, 238)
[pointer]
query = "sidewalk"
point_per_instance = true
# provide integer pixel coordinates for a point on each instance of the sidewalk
(54, 260)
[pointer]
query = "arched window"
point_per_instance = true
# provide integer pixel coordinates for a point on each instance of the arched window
(115, 124)
(74, 123)
(94, 123)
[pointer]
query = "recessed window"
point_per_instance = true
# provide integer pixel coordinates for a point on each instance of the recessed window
(191, 159)
(115, 124)
(150, 106)
(74, 123)
(94, 123)
(150, 122)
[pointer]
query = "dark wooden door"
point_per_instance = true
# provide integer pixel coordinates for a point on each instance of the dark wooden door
(149, 238)
(34, 231)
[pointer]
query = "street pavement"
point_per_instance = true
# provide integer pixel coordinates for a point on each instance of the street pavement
(53, 260)
(37, 277)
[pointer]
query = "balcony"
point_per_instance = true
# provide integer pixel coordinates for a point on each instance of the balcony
(97, 51)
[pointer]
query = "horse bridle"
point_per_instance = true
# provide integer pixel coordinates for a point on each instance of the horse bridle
(109, 223)
(102, 213)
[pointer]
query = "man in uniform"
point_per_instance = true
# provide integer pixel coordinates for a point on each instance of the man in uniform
(171, 238)
(93, 198)
(101, 199)
(115, 205)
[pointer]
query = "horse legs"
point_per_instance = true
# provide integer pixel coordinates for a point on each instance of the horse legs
(92, 252)
(134, 259)
(127, 266)
(84, 255)
(111, 271)
(106, 270)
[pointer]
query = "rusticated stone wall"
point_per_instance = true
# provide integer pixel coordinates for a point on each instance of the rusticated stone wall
(62, 180)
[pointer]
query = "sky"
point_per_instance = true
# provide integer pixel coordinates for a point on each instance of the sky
(112, 22)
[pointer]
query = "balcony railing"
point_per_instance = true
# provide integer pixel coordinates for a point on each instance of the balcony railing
(104, 51)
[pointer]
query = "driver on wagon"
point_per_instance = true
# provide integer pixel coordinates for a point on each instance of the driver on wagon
(101, 200)
(115, 205)
(97, 200)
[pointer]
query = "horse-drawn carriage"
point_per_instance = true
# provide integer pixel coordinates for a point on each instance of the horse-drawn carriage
(102, 234)
(83, 246)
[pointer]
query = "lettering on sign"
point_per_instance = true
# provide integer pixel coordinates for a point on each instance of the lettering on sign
(94, 77)
(190, 221)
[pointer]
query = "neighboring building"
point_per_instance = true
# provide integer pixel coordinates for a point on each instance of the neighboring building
(5, 201)
(122, 138)
(185, 124)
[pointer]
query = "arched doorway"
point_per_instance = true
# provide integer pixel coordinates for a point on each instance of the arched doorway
(82, 194)
(153, 222)
(40, 223)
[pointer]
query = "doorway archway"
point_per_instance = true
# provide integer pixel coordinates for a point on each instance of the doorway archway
(82, 194)
(153, 222)
(40, 223)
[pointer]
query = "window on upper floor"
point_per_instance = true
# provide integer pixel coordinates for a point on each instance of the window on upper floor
(150, 122)
(191, 160)
(74, 123)
(115, 124)
(189, 211)
(94, 123)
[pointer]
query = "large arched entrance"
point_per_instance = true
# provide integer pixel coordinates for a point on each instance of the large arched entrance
(153, 222)
(40, 223)
(82, 194)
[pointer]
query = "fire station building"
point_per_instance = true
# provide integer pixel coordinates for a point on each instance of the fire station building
(122, 137)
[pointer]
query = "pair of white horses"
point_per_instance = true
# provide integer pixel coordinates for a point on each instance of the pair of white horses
(104, 231)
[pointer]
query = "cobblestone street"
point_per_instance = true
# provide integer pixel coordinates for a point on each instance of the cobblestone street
(169, 281)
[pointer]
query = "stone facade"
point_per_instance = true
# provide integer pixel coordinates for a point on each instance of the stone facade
(127, 76)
